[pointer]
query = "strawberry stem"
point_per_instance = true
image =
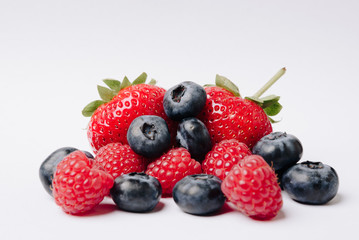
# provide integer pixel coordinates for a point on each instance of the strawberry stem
(270, 83)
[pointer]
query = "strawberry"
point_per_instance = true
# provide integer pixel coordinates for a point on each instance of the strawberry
(227, 115)
(216, 93)
(121, 103)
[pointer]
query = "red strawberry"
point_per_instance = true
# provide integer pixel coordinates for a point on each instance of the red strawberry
(220, 160)
(121, 104)
(172, 167)
(227, 115)
(217, 93)
(118, 159)
(252, 186)
(79, 184)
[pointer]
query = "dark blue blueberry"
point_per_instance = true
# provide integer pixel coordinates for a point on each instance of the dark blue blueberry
(149, 136)
(48, 166)
(199, 194)
(311, 182)
(280, 150)
(184, 100)
(88, 155)
(193, 135)
(136, 192)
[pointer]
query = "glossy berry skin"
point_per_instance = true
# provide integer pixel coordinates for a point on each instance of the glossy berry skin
(193, 135)
(136, 192)
(311, 182)
(118, 159)
(233, 117)
(280, 150)
(149, 136)
(110, 122)
(223, 156)
(215, 93)
(252, 186)
(172, 167)
(199, 194)
(48, 166)
(79, 184)
(184, 100)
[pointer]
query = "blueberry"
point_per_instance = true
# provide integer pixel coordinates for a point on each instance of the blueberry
(199, 194)
(184, 100)
(193, 135)
(88, 155)
(136, 192)
(280, 150)
(149, 136)
(48, 166)
(311, 182)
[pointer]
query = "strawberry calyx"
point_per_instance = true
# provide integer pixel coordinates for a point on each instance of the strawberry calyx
(113, 88)
(270, 104)
(227, 84)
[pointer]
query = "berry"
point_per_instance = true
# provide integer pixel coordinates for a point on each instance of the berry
(48, 166)
(311, 182)
(199, 194)
(172, 167)
(252, 186)
(149, 136)
(118, 159)
(136, 192)
(184, 100)
(193, 135)
(79, 184)
(235, 118)
(223, 156)
(216, 94)
(112, 116)
(280, 150)
(228, 116)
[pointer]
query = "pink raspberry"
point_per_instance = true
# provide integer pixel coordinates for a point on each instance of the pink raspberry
(172, 167)
(118, 159)
(220, 160)
(252, 186)
(79, 184)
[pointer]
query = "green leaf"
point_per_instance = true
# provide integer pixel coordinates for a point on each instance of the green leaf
(140, 79)
(269, 104)
(91, 108)
(105, 93)
(152, 82)
(225, 83)
(272, 120)
(256, 100)
(269, 100)
(115, 85)
(273, 109)
(125, 83)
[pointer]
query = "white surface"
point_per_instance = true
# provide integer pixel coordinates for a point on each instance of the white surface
(54, 53)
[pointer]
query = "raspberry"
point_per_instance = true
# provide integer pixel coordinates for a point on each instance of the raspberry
(252, 186)
(220, 160)
(172, 167)
(79, 184)
(118, 159)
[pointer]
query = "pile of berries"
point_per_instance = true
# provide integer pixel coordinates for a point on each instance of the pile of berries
(202, 146)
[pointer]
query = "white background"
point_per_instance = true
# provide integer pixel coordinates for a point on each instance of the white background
(54, 53)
